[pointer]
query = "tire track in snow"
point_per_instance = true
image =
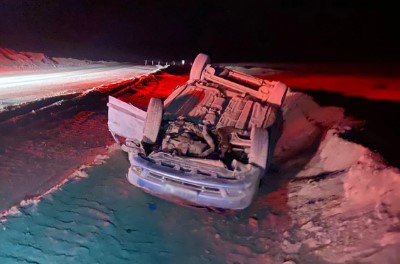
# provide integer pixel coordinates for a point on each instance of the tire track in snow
(137, 235)
(45, 141)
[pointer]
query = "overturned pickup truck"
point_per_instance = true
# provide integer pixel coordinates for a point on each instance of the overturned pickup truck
(209, 143)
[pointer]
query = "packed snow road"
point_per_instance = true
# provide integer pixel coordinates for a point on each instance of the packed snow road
(43, 140)
(17, 87)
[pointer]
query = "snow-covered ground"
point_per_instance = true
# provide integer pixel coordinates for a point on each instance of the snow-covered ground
(17, 88)
(11, 60)
(371, 81)
(325, 199)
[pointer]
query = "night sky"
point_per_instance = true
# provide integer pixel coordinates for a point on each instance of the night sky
(128, 30)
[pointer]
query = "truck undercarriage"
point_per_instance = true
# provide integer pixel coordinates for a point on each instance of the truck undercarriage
(209, 142)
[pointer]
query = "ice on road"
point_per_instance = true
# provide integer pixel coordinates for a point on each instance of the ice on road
(20, 87)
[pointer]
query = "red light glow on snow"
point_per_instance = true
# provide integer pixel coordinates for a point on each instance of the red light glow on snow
(367, 86)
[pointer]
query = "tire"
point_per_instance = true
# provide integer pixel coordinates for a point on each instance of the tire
(259, 148)
(153, 121)
(198, 66)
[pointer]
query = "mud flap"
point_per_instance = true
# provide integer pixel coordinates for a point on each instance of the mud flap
(277, 94)
(125, 120)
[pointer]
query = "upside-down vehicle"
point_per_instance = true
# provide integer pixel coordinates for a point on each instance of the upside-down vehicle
(208, 143)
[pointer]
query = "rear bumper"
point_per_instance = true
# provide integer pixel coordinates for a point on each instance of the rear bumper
(195, 189)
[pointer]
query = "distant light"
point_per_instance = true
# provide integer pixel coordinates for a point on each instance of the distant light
(183, 62)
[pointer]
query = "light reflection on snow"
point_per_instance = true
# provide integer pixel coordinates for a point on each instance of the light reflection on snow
(90, 221)
(22, 87)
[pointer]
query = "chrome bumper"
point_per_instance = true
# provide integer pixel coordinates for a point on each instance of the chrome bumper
(197, 186)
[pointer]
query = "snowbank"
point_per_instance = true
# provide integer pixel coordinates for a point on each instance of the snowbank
(11, 59)
(370, 182)
(342, 199)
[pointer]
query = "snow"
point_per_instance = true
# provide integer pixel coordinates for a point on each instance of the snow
(325, 199)
(13, 60)
(17, 88)
(103, 219)
(371, 81)
(370, 181)
(29, 76)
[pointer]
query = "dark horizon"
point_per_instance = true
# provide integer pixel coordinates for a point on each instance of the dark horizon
(276, 31)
